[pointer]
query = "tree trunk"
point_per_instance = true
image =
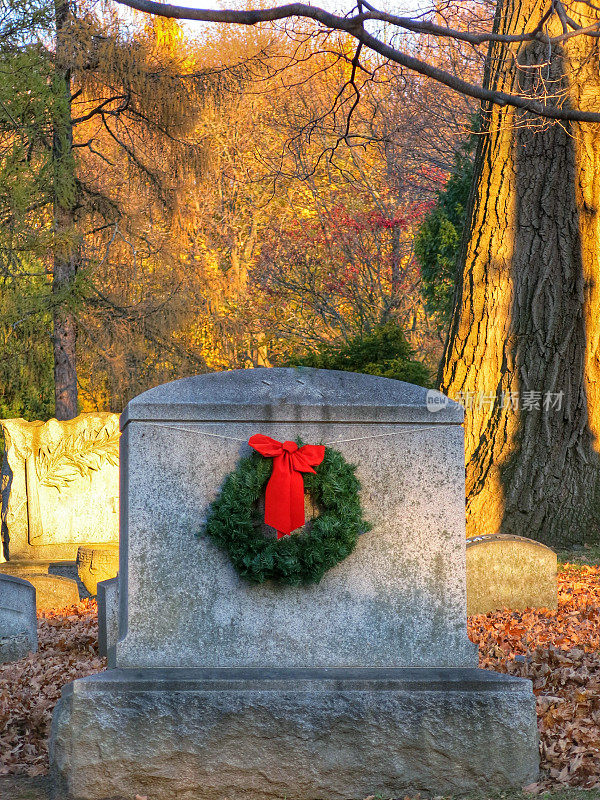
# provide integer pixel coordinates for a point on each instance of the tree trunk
(523, 348)
(66, 240)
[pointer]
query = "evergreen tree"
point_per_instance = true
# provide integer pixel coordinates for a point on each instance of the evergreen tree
(437, 242)
(384, 352)
(81, 97)
(26, 385)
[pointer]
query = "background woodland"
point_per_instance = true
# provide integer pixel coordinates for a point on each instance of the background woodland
(229, 198)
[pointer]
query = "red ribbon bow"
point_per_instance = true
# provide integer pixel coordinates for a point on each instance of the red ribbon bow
(284, 496)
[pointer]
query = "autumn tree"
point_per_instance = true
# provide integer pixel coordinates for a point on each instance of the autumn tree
(83, 98)
(524, 340)
(374, 30)
(141, 159)
(189, 267)
(303, 250)
(229, 209)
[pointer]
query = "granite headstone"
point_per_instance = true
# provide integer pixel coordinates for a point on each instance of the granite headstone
(363, 683)
(510, 572)
(18, 620)
(108, 617)
(52, 591)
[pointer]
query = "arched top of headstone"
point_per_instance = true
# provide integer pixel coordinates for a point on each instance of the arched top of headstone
(495, 538)
(16, 584)
(300, 394)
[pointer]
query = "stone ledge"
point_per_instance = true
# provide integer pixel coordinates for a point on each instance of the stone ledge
(335, 734)
(327, 679)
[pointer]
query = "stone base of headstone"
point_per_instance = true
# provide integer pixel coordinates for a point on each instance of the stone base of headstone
(302, 734)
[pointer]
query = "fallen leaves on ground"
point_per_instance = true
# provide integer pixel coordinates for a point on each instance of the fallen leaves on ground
(30, 688)
(559, 652)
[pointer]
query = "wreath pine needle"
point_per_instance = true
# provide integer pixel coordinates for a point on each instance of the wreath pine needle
(234, 522)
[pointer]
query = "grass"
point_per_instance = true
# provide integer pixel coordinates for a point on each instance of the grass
(580, 555)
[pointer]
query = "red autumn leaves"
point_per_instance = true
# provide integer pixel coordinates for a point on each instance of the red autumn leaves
(560, 652)
(30, 688)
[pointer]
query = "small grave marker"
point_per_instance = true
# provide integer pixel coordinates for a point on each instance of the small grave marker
(18, 621)
(509, 572)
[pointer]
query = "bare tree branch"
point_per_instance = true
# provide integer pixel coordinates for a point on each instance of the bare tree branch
(353, 25)
(100, 108)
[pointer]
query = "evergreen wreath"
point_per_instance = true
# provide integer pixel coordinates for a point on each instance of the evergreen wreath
(234, 523)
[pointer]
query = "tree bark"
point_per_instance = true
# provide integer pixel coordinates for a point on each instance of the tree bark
(67, 255)
(523, 348)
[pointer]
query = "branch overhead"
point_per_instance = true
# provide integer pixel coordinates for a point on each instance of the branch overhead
(354, 25)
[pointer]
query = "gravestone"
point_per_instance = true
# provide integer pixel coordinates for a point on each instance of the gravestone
(52, 591)
(15, 647)
(361, 684)
(60, 486)
(95, 564)
(108, 618)
(18, 620)
(510, 572)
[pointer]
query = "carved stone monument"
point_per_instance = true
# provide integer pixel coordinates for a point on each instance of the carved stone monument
(364, 683)
(59, 486)
(510, 572)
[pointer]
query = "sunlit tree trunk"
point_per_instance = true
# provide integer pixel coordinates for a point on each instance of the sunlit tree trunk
(523, 349)
(66, 249)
